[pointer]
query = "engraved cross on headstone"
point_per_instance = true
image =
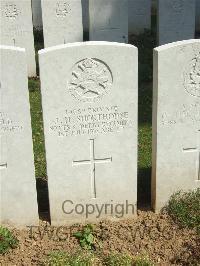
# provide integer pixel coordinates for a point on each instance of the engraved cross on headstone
(196, 150)
(92, 162)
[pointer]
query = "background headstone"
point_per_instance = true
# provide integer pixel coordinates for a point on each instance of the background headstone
(198, 15)
(176, 20)
(90, 118)
(108, 20)
(139, 16)
(37, 14)
(62, 21)
(176, 120)
(16, 28)
(18, 201)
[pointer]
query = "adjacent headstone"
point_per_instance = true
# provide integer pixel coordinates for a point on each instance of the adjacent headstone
(37, 14)
(16, 28)
(176, 20)
(198, 15)
(90, 118)
(18, 201)
(139, 16)
(62, 21)
(108, 20)
(176, 120)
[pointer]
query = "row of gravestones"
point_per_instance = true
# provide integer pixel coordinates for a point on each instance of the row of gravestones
(139, 14)
(62, 22)
(90, 105)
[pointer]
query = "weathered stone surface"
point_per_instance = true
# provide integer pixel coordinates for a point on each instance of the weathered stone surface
(18, 201)
(139, 16)
(176, 20)
(16, 28)
(176, 120)
(62, 21)
(89, 93)
(108, 20)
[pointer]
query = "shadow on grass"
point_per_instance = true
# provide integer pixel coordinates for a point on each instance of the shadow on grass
(144, 188)
(43, 199)
(39, 44)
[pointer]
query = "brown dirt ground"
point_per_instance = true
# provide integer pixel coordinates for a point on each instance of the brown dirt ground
(155, 235)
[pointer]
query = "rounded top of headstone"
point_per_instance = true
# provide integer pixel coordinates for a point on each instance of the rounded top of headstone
(14, 48)
(82, 44)
(175, 44)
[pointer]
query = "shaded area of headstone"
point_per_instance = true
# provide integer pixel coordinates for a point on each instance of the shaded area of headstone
(198, 16)
(176, 20)
(139, 16)
(108, 20)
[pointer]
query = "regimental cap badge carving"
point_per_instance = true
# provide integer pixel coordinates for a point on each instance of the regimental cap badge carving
(62, 9)
(177, 5)
(192, 77)
(90, 80)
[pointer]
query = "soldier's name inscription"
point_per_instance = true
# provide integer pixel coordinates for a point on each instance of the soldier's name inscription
(91, 121)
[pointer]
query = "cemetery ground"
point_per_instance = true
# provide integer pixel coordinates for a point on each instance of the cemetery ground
(171, 237)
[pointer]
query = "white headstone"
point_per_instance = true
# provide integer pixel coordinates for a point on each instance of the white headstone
(176, 120)
(18, 201)
(198, 15)
(108, 20)
(176, 20)
(62, 21)
(90, 117)
(139, 16)
(16, 28)
(37, 14)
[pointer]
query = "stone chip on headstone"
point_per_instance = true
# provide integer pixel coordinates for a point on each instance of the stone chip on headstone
(89, 94)
(176, 120)
(16, 28)
(62, 21)
(108, 20)
(176, 20)
(18, 201)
